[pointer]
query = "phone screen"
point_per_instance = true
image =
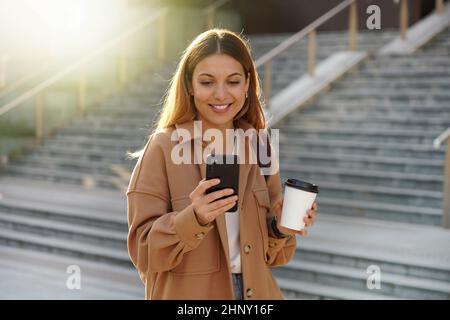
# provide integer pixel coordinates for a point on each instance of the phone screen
(226, 168)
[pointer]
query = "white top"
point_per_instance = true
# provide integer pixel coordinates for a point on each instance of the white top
(234, 246)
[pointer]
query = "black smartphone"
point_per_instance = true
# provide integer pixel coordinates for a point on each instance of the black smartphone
(226, 168)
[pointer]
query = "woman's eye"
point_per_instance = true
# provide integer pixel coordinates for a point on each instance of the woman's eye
(207, 83)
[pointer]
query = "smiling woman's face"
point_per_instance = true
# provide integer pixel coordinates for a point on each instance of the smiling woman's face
(219, 86)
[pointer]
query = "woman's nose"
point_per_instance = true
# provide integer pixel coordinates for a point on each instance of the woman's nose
(220, 93)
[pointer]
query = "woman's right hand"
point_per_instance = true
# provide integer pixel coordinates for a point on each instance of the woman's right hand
(204, 208)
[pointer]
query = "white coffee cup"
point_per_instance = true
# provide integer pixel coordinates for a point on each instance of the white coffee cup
(298, 199)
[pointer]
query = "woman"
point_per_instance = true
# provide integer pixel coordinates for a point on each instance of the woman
(184, 244)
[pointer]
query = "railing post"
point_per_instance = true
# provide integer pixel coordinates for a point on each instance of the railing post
(39, 117)
(352, 26)
(446, 189)
(267, 81)
(162, 38)
(404, 17)
(3, 64)
(439, 6)
(123, 72)
(82, 91)
(210, 18)
(312, 53)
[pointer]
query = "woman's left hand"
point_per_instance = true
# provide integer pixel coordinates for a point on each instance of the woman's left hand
(308, 220)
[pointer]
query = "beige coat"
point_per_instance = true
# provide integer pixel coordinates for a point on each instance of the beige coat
(175, 256)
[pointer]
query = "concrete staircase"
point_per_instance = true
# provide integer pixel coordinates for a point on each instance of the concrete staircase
(367, 143)
(91, 151)
(46, 227)
(293, 63)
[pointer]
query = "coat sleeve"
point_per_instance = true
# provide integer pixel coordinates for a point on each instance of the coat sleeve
(157, 237)
(280, 251)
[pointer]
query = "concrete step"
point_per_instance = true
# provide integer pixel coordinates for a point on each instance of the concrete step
(406, 61)
(395, 73)
(368, 82)
(79, 153)
(77, 166)
(28, 274)
(95, 145)
(305, 157)
(96, 121)
(70, 248)
(64, 202)
(380, 211)
(114, 109)
(390, 95)
(313, 250)
(106, 132)
(140, 128)
(366, 176)
(299, 289)
(66, 215)
(372, 106)
(127, 99)
(64, 176)
(365, 134)
(116, 151)
(362, 121)
(382, 194)
(394, 119)
(300, 48)
(396, 92)
(415, 256)
(292, 143)
(64, 230)
(405, 287)
(132, 113)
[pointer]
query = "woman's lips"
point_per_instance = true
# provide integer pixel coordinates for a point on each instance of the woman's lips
(220, 108)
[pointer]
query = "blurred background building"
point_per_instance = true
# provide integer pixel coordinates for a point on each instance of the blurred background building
(362, 105)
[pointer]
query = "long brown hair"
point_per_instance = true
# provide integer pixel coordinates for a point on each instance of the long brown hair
(178, 105)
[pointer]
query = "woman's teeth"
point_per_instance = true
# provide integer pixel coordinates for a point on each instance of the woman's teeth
(220, 107)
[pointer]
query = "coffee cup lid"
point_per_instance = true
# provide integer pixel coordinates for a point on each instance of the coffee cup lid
(302, 185)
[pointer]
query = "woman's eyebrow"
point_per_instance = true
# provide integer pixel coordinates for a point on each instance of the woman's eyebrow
(210, 75)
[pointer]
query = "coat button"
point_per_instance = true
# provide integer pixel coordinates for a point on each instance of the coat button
(247, 248)
(249, 292)
(200, 235)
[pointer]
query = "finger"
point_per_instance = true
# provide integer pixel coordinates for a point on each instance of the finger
(221, 203)
(303, 233)
(221, 210)
(205, 185)
(312, 214)
(314, 206)
(217, 195)
(308, 222)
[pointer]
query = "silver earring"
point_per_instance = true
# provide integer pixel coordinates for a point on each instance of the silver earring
(246, 95)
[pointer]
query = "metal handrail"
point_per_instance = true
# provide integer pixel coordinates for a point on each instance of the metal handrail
(108, 45)
(210, 12)
(441, 139)
(310, 30)
(439, 7)
(302, 33)
(445, 137)
(15, 84)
